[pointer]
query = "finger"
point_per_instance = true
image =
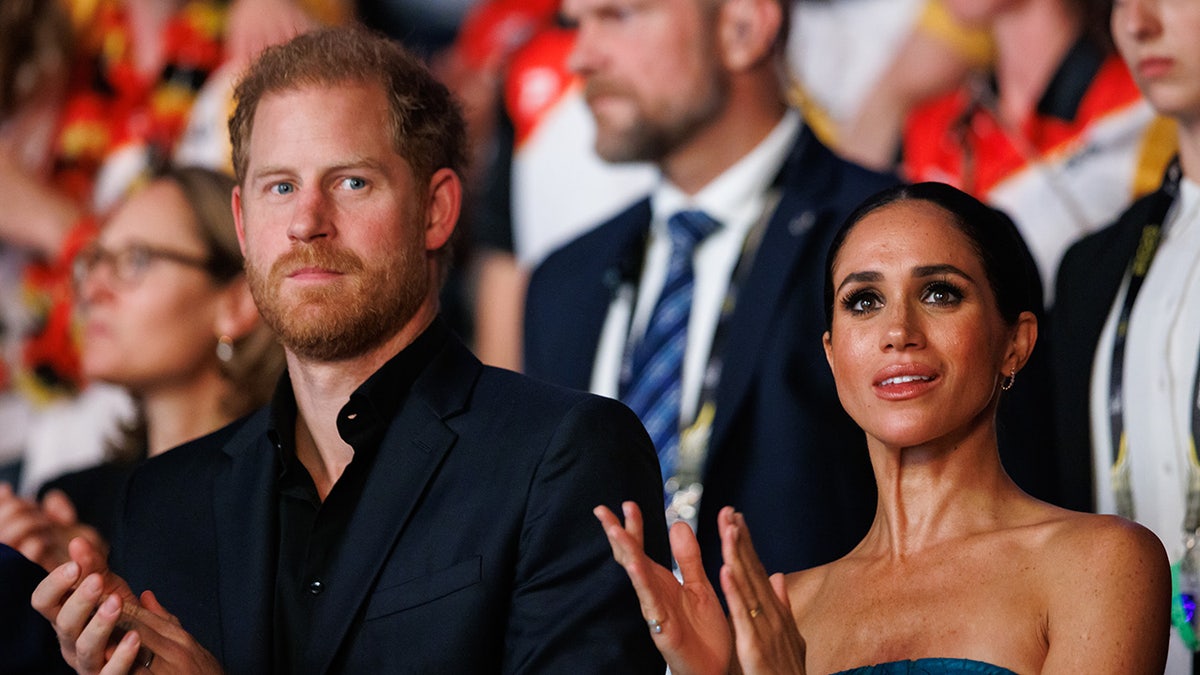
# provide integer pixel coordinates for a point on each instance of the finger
(152, 615)
(747, 589)
(160, 632)
(747, 566)
(735, 599)
(624, 548)
(606, 517)
(50, 594)
(686, 552)
(745, 545)
(36, 549)
(92, 561)
(642, 571)
(91, 647)
(779, 585)
(124, 659)
(633, 523)
(20, 519)
(150, 601)
(79, 606)
(58, 508)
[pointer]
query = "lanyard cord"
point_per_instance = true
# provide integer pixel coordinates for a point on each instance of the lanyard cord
(1139, 267)
(683, 489)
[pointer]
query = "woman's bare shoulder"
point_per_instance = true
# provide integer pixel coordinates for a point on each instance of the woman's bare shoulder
(805, 586)
(1105, 576)
(1078, 537)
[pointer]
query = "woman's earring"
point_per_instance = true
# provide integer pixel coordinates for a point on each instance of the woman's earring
(225, 348)
(1008, 380)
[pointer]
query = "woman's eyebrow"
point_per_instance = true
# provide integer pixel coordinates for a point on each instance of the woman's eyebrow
(939, 270)
(860, 277)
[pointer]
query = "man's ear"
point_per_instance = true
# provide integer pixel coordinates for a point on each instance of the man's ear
(237, 314)
(443, 206)
(236, 205)
(747, 31)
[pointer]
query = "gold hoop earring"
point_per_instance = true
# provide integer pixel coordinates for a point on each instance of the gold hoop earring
(1007, 382)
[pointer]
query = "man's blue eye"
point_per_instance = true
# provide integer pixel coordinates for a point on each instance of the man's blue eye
(282, 188)
(354, 183)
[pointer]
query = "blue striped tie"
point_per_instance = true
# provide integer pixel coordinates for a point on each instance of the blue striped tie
(656, 367)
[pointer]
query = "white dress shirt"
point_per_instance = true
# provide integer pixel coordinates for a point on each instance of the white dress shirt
(1161, 353)
(739, 199)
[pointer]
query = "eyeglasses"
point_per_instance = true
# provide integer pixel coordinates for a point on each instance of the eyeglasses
(128, 265)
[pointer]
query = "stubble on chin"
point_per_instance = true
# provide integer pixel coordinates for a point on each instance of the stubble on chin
(342, 318)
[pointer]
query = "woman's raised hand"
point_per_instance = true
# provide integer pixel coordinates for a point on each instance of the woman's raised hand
(685, 620)
(765, 633)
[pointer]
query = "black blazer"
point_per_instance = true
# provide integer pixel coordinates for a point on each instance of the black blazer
(1089, 279)
(473, 547)
(27, 642)
(782, 449)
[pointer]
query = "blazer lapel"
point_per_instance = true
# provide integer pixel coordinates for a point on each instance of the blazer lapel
(788, 233)
(619, 265)
(409, 455)
(244, 512)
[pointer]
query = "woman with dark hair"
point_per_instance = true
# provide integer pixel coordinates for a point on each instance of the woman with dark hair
(167, 315)
(932, 316)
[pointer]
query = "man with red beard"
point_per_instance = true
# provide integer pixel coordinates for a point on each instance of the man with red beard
(398, 507)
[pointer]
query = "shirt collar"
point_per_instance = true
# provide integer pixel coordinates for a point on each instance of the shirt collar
(1071, 81)
(365, 418)
(739, 189)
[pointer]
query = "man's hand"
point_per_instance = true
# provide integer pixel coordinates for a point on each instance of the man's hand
(84, 601)
(103, 628)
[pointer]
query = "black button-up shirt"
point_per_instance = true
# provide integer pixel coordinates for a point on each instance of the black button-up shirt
(310, 530)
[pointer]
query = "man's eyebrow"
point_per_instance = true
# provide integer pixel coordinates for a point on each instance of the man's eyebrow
(348, 165)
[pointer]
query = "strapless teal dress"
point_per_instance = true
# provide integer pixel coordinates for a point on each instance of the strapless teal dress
(930, 667)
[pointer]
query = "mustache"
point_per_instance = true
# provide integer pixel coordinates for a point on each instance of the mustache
(319, 256)
(595, 87)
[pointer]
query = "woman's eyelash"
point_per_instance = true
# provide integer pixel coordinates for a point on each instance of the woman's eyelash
(860, 301)
(944, 287)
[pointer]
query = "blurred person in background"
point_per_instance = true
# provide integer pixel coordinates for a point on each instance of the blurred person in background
(1055, 133)
(1126, 327)
(167, 316)
(123, 100)
(712, 278)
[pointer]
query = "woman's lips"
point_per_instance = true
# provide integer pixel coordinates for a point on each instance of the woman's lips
(904, 381)
(1155, 66)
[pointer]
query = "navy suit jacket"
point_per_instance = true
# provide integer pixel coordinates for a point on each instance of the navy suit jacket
(782, 449)
(27, 641)
(472, 549)
(1089, 279)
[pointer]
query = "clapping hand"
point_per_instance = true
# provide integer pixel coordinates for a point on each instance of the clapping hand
(765, 632)
(685, 620)
(41, 532)
(103, 628)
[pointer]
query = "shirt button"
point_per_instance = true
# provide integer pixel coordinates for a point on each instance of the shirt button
(316, 587)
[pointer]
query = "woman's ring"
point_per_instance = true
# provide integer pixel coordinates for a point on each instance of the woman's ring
(755, 612)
